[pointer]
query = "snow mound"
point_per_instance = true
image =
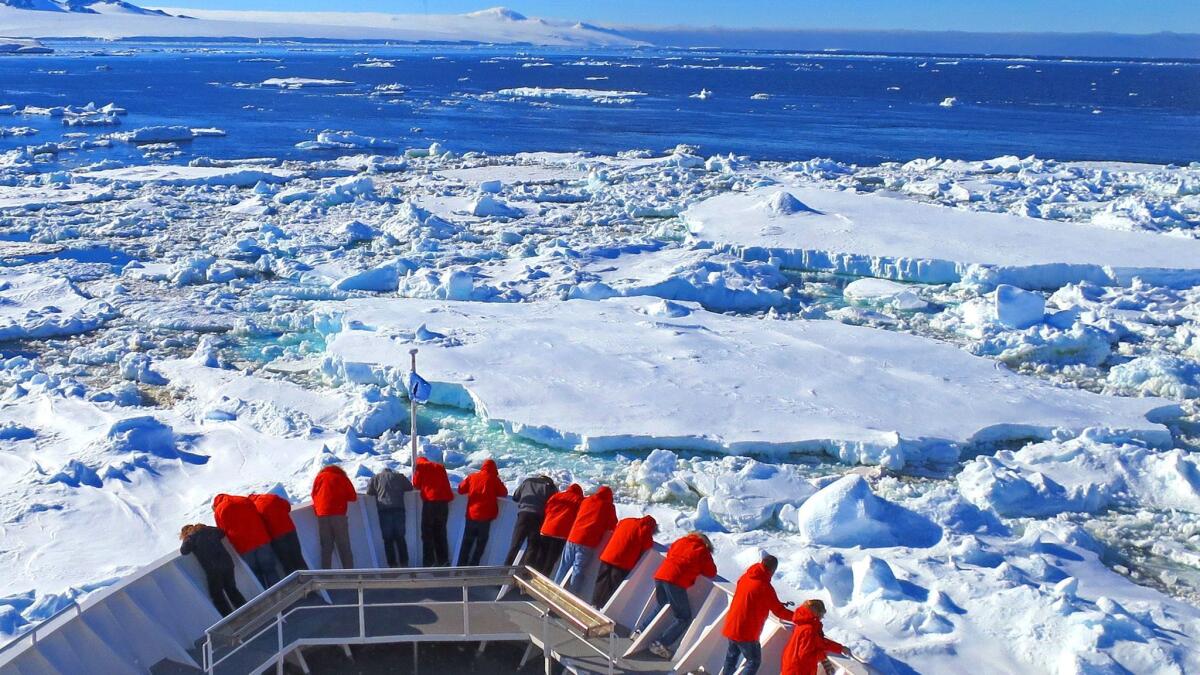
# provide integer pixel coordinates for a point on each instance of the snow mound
(1017, 308)
(1157, 375)
(785, 204)
(1087, 474)
(846, 514)
(487, 206)
(884, 292)
(742, 494)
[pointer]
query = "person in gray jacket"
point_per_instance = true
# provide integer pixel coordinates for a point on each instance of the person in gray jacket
(531, 496)
(388, 488)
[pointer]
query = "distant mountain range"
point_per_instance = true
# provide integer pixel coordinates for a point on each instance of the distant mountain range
(117, 19)
(82, 6)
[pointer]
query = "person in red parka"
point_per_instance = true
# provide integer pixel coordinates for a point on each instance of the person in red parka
(276, 512)
(248, 534)
(332, 493)
(596, 517)
(753, 599)
(808, 645)
(482, 489)
(689, 557)
(631, 538)
(561, 509)
(429, 478)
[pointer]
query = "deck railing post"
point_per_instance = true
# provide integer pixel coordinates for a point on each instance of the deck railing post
(466, 612)
(362, 612)
(279, 638)
(546, 639)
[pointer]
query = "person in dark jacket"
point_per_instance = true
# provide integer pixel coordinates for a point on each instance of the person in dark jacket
(206, 543)
(531, 497)
(276, 512)
(388, 487)
(482, 488)
(431, 481)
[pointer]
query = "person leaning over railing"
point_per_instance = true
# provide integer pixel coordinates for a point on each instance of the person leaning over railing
(332, 493)
(753, 599)
(276, 513)
(688, 558)
(388, 487)
(808, 645)
(597, 516)
(204, 542)
(531, 497)
(239, 519)
(631, 538)
(561, 510)
(482, 489)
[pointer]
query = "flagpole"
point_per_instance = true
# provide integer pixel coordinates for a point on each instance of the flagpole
(412, 414)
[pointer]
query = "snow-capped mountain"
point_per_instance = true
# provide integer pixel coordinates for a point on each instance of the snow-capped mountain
(115, 19)
(82, 6)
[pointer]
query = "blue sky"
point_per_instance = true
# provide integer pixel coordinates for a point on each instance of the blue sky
(1125, 16)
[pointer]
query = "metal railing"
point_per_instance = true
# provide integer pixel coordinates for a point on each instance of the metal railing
(47, 625)
(340, 607)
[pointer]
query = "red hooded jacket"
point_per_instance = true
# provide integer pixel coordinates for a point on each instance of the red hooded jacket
(482, 489)
(332, 491)
(430, 479)
(631, 538)
(596, 516)
(808, 645)
(240, 520)
(276, 512)
(561, 509)
(753, 599)
(687, 559)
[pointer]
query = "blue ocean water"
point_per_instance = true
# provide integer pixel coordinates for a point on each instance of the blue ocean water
(856, 108)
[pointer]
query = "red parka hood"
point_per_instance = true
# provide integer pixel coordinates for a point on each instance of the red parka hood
(805, 616)
(605, 493)
(482, 489)
(333, 468)
(758, 572)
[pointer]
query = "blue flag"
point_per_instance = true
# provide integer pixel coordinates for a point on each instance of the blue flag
(418, 388)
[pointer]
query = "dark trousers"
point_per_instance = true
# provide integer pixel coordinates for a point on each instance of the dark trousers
(607, 581)
(474, 541)
(751, 651)
(526, 532)
(287, 549)
(548, 554)
(668, 594)
(334, 533)
(263, 563)
(434, 547)
(224, 591)
(392, 526)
